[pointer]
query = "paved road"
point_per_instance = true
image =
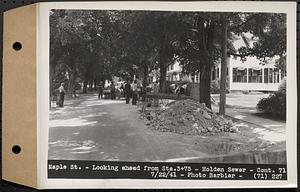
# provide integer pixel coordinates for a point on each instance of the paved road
(105, 130)
(243, 107)
(240, 100)
(90, 129)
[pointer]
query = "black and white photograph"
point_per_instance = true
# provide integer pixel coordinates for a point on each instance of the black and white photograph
(167, 86)
(171, 87)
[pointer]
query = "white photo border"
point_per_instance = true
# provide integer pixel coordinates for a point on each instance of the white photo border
(212, 6)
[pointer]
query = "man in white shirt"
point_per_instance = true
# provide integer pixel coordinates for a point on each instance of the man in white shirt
(62, 93)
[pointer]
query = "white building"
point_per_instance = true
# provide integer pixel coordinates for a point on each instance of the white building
(174, 72)
(249, 75)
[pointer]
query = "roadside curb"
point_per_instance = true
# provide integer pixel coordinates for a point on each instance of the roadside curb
(242, 120)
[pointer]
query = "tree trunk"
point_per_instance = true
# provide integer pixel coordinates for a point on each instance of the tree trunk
(223, 68)
(162, 70)
(70, 84)
(206, 35)
(145, 76)
(73, 87)
(51, 89)
(163, 63)
(84, 89)
(205, 79)
(162, 79)
(91, 84)
(95, 84)
(55, 55)
(72, 73)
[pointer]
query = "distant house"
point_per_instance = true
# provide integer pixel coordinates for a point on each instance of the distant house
(252, 75)
(243, 76)
(249, 75)
(174, 72)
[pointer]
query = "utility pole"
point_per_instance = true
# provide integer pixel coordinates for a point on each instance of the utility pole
(223, 65)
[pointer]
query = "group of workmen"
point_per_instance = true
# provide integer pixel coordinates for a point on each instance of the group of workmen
(132, 91)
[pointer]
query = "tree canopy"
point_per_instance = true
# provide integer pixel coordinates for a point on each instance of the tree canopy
(90, 46)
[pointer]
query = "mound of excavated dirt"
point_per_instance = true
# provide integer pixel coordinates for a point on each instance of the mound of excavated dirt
(188, 117)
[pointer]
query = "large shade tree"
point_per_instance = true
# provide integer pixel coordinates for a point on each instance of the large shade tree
(263, 29)
(199, 46)
(85, 45)
(96, 45)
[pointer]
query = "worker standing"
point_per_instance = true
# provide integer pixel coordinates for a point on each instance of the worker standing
(62, 93)
(112, 91)
(127, 92)
(100, 90)
(134, 88)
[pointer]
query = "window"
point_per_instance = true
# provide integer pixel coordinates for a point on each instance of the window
(213, 74)
(255, 76)
(282, 74)
(193, 78)
(276, 76)
(197, 79)
(266, 75)
(172, 67)
(271, 74)
(239, 75)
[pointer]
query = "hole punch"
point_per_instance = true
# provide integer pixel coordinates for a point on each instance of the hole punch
(17, 46)
(16, 149)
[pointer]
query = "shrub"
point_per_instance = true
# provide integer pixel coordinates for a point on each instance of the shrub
(246, 92)
(282, 87)
(275, 104)
(215, 86)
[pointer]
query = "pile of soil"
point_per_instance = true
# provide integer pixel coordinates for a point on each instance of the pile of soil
(188, 117)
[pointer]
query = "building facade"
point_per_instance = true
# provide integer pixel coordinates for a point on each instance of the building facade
(249, 75)
(253, 76)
